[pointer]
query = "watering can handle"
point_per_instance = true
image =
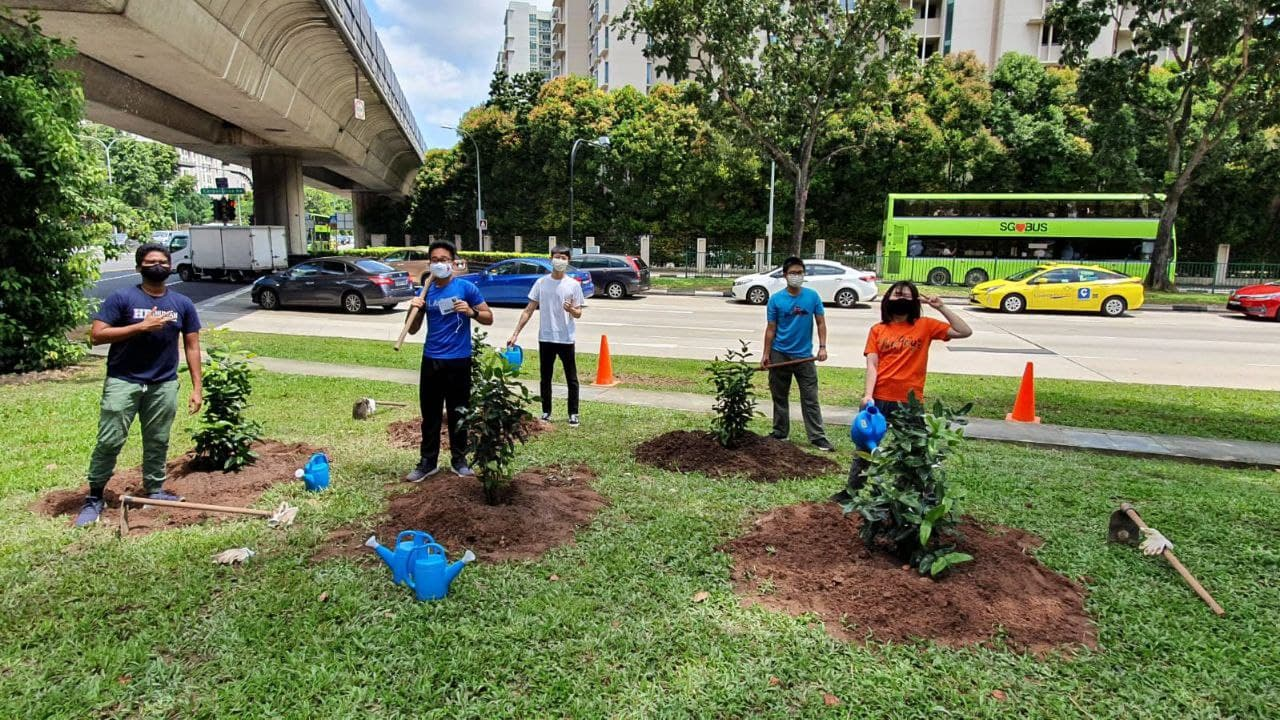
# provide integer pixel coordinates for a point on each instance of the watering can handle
(408, 561)
(416, 535)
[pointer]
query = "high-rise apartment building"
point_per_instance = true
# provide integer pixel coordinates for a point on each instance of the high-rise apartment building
(991, 28)
(526, 45)
(570, 41)
(584, 42)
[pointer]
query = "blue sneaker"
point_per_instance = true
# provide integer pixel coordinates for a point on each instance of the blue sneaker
(90, 512)
(165, 495)
(461, 470)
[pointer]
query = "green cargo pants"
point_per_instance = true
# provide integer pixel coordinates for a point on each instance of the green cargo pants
(155, 405)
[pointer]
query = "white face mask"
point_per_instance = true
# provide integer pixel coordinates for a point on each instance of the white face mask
(441, 270)
(559, 264)
(795, 281)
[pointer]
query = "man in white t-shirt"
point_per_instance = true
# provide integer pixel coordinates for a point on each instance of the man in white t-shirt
(559, 297)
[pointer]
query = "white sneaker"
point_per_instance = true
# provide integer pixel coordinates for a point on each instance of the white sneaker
(546, 417)
(573, 421)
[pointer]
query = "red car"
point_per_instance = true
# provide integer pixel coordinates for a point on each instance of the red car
(1257, 300)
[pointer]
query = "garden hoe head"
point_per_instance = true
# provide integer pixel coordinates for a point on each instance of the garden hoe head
(1122, 529)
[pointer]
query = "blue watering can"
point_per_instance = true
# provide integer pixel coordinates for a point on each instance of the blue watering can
(315, 475)
(430, 573)
(514, 356)
(398, 558)
(868, 428)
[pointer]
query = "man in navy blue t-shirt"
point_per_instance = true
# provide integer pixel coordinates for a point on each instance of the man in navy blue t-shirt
(792, 315)
(142, 323)
(449, 305)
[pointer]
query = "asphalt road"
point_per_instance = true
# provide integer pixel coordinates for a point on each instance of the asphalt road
(1171, 348)
(121, 273)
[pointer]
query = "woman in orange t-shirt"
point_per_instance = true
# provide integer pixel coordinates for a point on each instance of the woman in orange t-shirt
(897, 353)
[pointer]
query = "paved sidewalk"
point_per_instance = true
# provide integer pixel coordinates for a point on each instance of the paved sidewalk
(1231, 453)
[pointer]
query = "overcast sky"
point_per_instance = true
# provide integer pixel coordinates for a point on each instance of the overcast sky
(443, 52)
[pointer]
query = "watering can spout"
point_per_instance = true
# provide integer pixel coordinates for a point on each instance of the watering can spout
(454, 568)
(383, 552)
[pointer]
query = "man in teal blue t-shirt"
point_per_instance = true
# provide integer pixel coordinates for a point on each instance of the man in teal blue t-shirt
(792, 315)
(449, 305)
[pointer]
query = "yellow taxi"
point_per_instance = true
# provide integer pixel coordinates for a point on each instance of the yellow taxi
(1062, 286)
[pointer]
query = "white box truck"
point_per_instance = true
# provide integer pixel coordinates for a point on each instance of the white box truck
(238, 253)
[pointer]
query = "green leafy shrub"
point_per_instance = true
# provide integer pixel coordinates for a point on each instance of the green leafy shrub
(496, 420)
(735, 399)
(906, 506)
(52, 236)
(224, 436)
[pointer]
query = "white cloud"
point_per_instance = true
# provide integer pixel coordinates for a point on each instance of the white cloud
(443, 53)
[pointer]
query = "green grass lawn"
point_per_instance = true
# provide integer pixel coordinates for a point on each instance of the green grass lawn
(91, 626)
(1162, 409)
(716, 284)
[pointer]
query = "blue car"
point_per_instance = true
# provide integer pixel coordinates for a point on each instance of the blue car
(508, 282)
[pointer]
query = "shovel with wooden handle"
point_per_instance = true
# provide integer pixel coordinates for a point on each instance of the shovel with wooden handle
(408, 320)
(784, 363)
(1126, 526)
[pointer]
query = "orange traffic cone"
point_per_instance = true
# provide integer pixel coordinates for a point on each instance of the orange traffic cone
(604, 370)
(1024, 408)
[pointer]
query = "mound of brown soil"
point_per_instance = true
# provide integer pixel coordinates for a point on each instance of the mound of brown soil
(276, 463)
(809, 558)
(407, 434)
(544, 508)
(760, 458)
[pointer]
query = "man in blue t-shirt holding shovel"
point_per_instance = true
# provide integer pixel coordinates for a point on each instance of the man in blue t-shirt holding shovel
(788, 350)
(142, 323)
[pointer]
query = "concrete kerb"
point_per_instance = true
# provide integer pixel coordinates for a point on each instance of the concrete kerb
(1220, 309)
(1228, 453)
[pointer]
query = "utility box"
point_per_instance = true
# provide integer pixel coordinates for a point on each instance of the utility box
(232, 252)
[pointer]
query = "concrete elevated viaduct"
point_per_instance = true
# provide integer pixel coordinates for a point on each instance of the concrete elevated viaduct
(270, 84)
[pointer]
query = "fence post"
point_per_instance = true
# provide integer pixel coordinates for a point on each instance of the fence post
(519, 244)
(819, 249)
(1220, 270)
(551, 242)
(700, 256)
(457, 241)
(590, 242)
(644, 249)
(761, 260)
(486, 243)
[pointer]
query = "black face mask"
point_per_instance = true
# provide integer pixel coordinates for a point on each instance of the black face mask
(155, 273)
(900, 306)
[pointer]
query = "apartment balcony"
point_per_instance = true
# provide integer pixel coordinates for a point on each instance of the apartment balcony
(557, 21)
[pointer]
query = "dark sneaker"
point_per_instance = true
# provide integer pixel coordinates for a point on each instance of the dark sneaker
(546, 417)
(165, 495)
(573, 421)
(420, 473)
(461, 470)
(776, 436)
(841, 497)
(825, 444)
(90, 512)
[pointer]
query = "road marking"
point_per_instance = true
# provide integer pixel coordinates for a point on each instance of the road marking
(1101, 357)
(1261, 365)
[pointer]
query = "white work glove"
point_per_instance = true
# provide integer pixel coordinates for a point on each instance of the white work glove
(283, 516)
(1153, 542)
(233, 556)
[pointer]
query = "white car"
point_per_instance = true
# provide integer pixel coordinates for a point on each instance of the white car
(834, 283)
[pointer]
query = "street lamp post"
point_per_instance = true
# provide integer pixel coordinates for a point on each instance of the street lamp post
(106, 149)
(479, 202)
(600, 142)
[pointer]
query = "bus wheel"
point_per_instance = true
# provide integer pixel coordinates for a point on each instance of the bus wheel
(1114, 306)
(976, 276)
(939, 276)
(1013, 303)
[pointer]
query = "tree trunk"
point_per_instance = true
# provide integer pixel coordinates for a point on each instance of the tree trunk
(1158, 273)
(802, 202)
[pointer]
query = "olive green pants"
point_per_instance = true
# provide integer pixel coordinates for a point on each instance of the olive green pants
(155, 405)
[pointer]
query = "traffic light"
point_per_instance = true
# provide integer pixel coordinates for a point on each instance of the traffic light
(230, 210)
(217, 209)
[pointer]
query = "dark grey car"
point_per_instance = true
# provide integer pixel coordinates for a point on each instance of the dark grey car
(351, 284)
(615, 276)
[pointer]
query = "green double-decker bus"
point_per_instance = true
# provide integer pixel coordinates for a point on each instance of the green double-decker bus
(968, 238)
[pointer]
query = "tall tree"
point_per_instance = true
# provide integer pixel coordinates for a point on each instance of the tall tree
(1225, 58)
(51, 221)
(779, 71)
